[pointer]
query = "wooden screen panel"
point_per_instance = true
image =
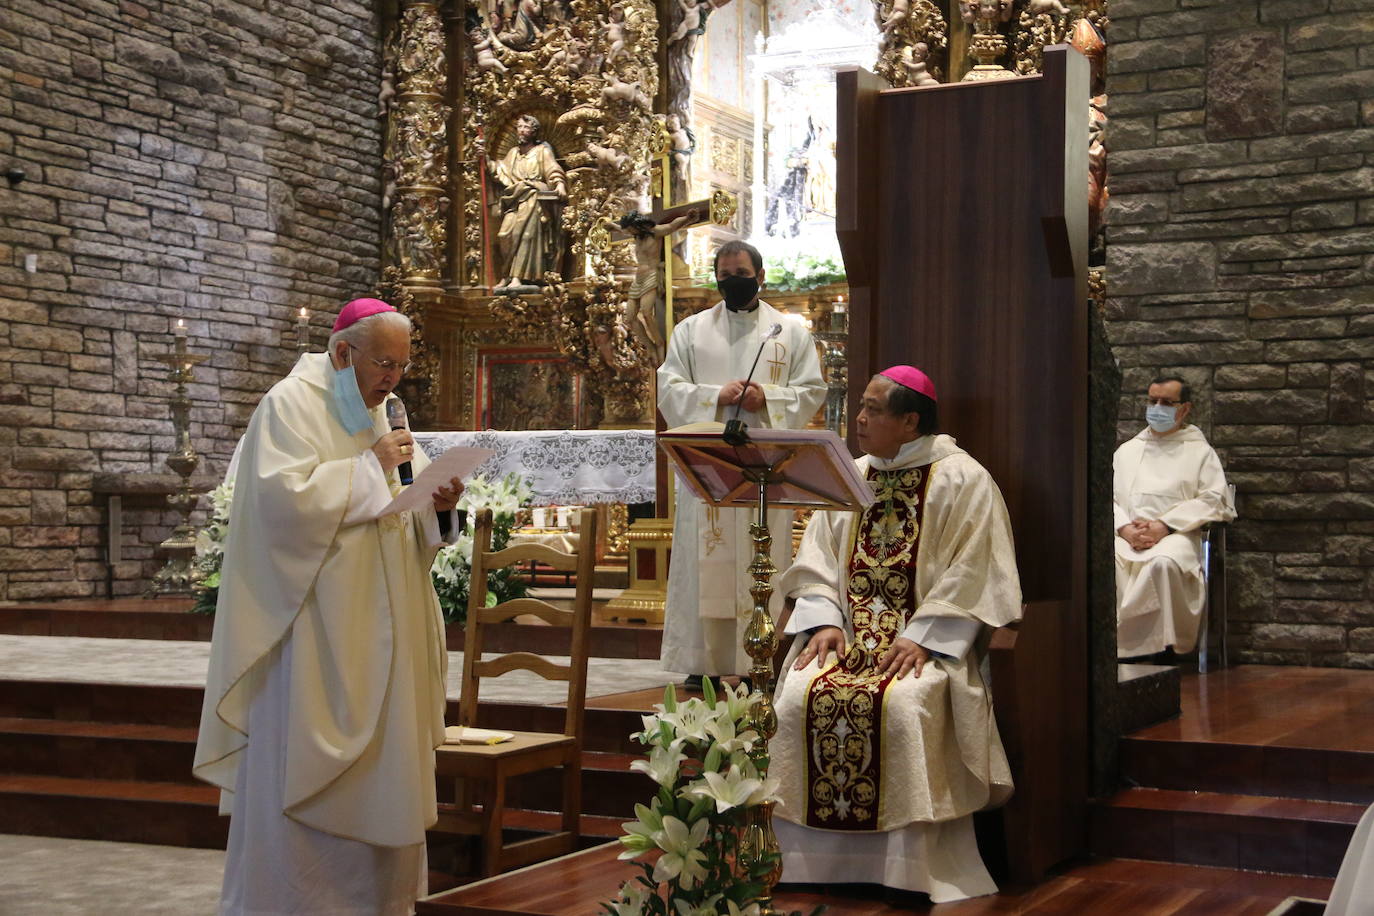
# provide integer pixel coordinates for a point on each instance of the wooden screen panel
(962, 215)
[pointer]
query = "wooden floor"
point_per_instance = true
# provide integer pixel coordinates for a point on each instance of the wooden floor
(574, 885)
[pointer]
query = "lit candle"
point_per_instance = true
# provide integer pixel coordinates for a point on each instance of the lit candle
(180, 330)
(839, 305)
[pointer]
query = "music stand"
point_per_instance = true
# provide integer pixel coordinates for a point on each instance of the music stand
(784, 468)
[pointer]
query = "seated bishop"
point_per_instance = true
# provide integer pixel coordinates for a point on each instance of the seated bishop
(886, 742)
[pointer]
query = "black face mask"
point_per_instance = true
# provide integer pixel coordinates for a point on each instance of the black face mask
(738, 292)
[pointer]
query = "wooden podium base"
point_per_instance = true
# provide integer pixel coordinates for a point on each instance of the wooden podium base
(649, 543)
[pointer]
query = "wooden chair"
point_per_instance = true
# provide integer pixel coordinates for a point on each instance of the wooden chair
(481, 772)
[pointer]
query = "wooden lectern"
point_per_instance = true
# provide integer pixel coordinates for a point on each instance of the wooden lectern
(778, 468)
(962, 217)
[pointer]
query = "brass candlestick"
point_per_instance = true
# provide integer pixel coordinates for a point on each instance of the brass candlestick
(761, 644)
(177, 577)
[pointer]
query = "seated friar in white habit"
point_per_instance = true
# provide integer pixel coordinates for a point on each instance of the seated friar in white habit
(324, 699)
(886, 741)
(704, 379)
(1167, 484)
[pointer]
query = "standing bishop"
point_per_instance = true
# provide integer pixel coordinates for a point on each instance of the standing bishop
(324, 700)
(886, 741)
(703, 379)
(1167, 483)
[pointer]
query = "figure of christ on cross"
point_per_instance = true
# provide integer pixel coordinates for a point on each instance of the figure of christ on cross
(648, 232)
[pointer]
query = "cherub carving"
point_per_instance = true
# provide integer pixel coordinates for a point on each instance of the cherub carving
(900, 10)
(607, 157)
(1036, 7)
(615, 33)
(482, 48)
(616, 88)
(914, 61)
(684, 144)
(571, 56)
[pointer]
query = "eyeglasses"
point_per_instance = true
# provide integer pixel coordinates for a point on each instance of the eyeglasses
(1162, 402)
(386, 365)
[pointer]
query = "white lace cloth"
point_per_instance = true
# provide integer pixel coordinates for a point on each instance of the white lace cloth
(564, 466)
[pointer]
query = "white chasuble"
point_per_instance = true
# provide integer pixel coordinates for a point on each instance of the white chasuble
(708, 581)
(328, 632)
(908, 760)
(1176, 479)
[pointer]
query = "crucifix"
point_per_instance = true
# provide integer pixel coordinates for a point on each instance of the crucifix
(650, 233)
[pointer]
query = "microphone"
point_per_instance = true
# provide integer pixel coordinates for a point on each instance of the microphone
(736, 432)
(396, 419)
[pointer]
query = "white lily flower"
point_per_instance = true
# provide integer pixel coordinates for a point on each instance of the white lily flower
(705, 908)
(663, 764)
(729, 790)
(631, 902)
(682, 856)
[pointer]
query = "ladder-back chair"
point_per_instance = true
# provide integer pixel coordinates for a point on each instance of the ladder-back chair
(481, 771)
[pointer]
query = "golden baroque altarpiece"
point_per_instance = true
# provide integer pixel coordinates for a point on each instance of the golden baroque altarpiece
(518, 132)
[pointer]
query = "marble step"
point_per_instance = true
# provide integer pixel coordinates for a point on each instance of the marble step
(1285, 835)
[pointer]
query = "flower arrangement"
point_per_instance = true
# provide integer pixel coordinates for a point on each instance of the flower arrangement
(209, 557)
(452, 568)
(707, 783)
(798, 271)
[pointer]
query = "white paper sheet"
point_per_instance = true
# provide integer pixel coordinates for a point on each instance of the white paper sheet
(456, 462)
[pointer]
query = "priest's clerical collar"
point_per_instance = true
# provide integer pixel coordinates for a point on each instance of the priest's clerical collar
(743, 311)
(904, 455)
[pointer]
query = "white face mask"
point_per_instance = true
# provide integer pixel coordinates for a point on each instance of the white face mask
(1161, 418)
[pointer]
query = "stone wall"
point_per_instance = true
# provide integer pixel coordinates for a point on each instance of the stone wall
(212, 160)
(1241, 256)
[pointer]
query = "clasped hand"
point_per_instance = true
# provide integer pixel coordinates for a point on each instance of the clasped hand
(902, 658)
(1142, 534)
(754, 398)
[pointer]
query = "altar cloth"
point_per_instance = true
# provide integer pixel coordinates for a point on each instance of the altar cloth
(563, 466)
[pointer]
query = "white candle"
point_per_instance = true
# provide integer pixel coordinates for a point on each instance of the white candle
(562, 516)
(541, 517)
(180, 329)
(839, 306)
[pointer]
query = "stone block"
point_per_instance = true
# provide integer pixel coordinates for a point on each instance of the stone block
(1297, 636)
(1301, 119)
(1332, 215)
(1296, 190)
(1297, 328)
(1351, 300)
(1347, 399)
(1245, 90)
(1250, 376)
(1331, 32)
(1162, 267)
(1254, 434)
(1296, 405)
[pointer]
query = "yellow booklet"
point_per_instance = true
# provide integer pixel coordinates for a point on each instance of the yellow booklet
(465, 734)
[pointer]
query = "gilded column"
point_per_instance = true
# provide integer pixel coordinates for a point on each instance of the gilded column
(417, 148)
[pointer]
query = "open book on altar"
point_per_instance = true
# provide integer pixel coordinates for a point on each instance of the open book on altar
(805, 468)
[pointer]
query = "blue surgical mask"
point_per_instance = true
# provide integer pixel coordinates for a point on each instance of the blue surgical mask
(348, 402)
(1161, 418)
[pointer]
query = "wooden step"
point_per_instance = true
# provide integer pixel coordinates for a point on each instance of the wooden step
(1318, 774)
(1290, 836)
(606, 729)
(167, 814)
(96, 750)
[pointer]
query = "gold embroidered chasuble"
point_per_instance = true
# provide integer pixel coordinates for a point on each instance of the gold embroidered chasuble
(860, 752)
